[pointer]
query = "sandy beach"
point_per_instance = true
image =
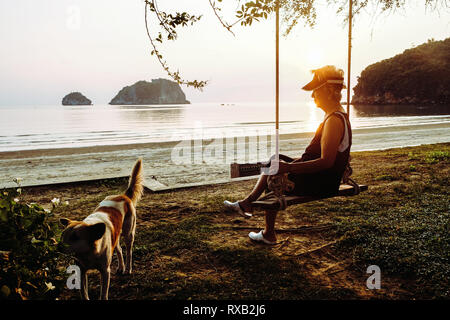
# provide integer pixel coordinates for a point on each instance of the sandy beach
(50, 166)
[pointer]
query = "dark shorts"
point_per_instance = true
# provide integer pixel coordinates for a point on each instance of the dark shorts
(322, 183)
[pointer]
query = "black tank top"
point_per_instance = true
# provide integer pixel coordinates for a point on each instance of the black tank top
(325, 182)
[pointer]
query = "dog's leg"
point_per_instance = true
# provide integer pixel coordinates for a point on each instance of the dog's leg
(121, 266)
(104, 288)
(129, 243)
(129, 230)
(84, 284)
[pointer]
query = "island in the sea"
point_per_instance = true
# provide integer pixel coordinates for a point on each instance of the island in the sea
(420, 75)
(158, 91)
(76, 99)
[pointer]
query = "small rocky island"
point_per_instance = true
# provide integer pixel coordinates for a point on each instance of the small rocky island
(158, 91)
(420, 75)
(76, 99)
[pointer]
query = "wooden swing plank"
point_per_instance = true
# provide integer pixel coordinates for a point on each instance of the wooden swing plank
(273, 204)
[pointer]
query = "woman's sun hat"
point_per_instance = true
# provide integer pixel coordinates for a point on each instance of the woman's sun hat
(325, 75)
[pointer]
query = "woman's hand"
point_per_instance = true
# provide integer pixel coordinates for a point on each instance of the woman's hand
(279, 167)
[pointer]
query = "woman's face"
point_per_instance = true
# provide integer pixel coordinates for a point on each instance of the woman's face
(320, 96)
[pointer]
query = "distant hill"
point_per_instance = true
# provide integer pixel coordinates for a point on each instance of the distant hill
(420, 75)
(76, 99)
(159, 91)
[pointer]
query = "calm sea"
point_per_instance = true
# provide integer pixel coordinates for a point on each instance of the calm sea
(42, 127)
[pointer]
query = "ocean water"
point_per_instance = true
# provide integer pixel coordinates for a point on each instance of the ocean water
(56, 126)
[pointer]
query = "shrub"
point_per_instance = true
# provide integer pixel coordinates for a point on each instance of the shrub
(28, 250)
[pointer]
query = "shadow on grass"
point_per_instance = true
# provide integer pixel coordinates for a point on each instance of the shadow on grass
(185, 264)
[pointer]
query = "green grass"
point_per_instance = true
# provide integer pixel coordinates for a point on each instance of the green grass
(170, 238)
(401, 224)
(436, 156)
(405, 228)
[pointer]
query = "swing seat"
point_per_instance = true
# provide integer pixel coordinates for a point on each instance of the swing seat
(272, 202)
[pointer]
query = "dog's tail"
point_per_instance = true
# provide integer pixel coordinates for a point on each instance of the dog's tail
(136, 183)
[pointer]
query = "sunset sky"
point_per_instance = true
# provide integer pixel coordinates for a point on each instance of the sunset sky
(48, 50)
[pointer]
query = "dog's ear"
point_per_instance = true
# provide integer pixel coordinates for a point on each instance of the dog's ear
(96, 231)
(64, 221)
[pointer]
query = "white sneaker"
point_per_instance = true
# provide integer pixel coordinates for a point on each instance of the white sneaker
(234, 206)
(260, 237)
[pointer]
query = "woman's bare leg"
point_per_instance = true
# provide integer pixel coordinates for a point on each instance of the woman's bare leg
(269, 231)
(260, 186)
(257, 191)
(270, 215)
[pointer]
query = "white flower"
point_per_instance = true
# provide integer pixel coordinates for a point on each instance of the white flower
(31, 204)
(55, 201)
(66, 203)
(46, 210)
(16, 200)
(50, 286)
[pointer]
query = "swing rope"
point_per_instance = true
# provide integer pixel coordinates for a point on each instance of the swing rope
(278, 184)
(348, 169)
(277, 78)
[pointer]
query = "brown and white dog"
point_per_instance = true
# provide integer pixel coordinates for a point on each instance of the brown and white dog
(93, 240)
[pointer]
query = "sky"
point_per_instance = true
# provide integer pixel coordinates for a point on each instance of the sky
(50, 48)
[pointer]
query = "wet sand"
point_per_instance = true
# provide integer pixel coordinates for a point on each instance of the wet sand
(162, 164)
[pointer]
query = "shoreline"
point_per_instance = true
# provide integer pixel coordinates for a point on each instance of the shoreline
(161, 169)
(49, 152)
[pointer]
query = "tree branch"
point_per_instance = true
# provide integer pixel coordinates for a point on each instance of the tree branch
(174, 75)
(225, 25)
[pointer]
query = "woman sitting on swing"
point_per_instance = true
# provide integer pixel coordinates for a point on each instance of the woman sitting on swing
(319, 170)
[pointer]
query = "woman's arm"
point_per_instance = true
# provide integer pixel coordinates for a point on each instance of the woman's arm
(331, 138)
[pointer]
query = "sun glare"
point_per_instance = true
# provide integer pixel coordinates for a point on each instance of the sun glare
(311, 105)
(314, 57)
(313, 118)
